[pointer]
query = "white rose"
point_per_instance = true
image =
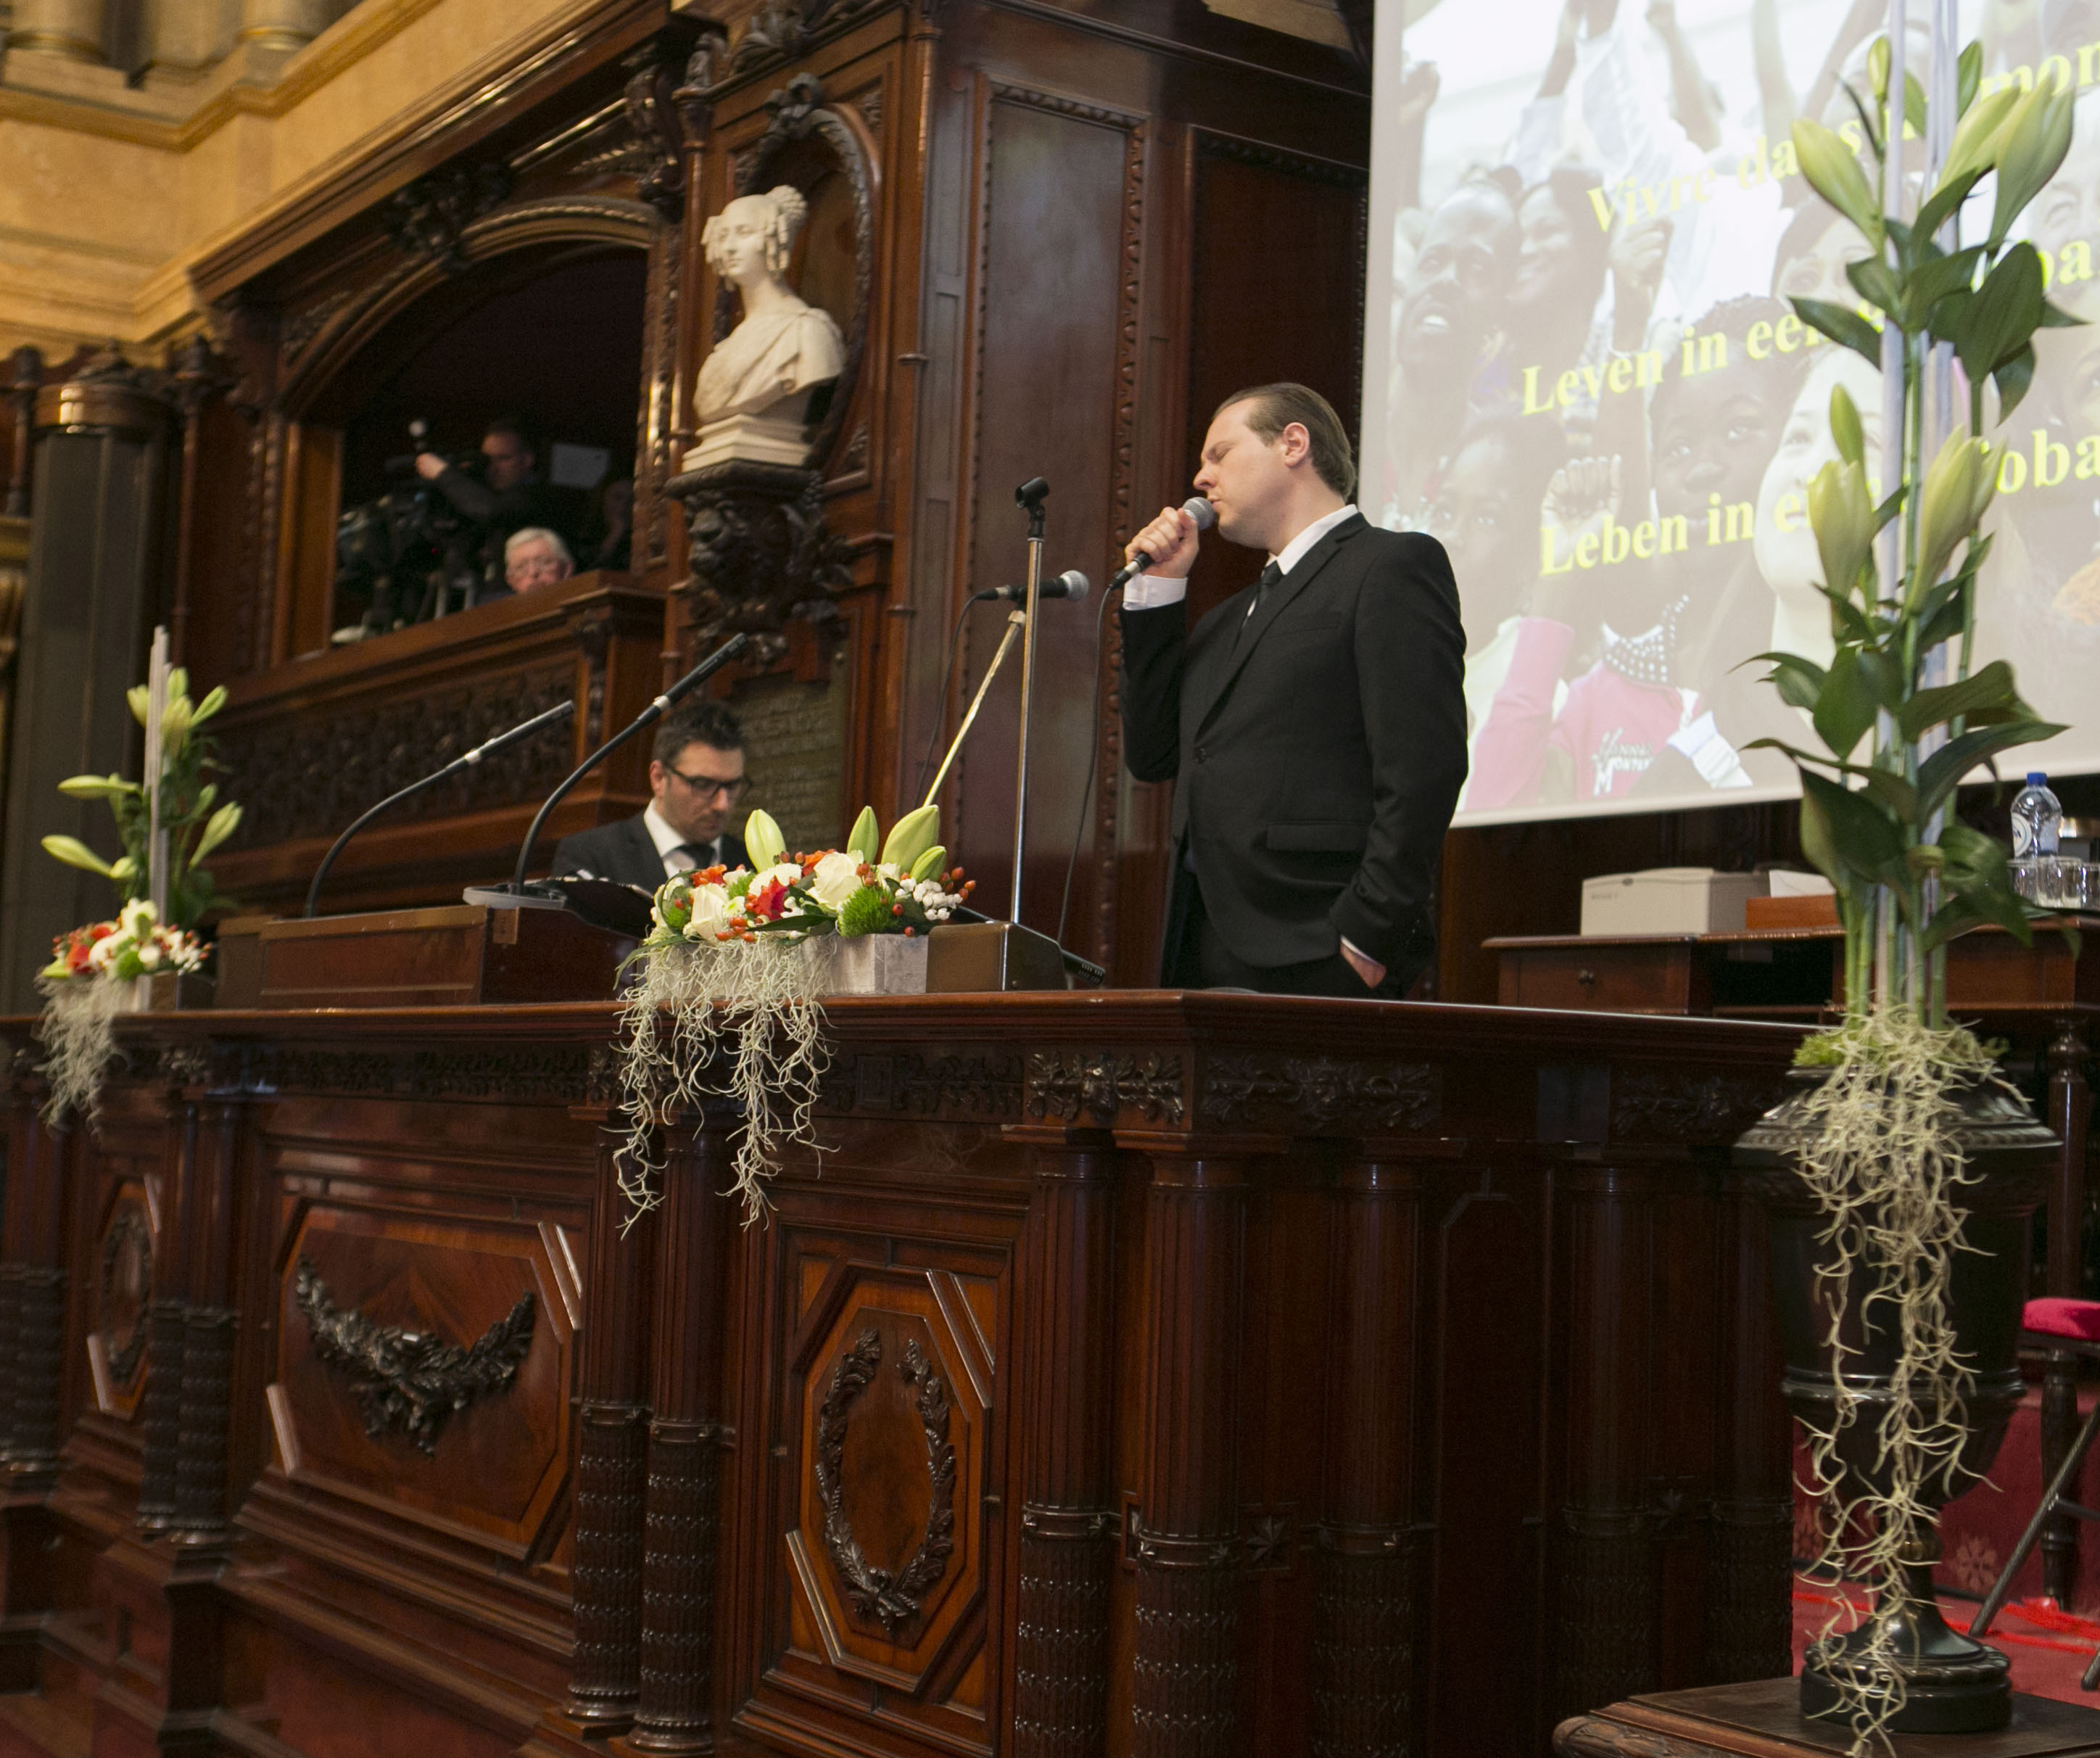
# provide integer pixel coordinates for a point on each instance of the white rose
(787, 873)
(836, 878)
(100, 954)
(149, 954)
(710, 911)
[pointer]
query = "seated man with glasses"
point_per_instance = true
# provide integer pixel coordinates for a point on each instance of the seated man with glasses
(696, 778)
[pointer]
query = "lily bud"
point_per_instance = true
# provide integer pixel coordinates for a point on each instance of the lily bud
(75, 853)
(928, 866)
(1975, 147)
(1845, 427)
(866, 835)
(1834, 175)
(174, 724)
(179, 682)
(138, 697)
(1842, 513)
(97, 787)
(217, 827)
(2036, 137)
(1877, 68)
(209, 706)
(1958, 486)
(911, 836)
(763, 841)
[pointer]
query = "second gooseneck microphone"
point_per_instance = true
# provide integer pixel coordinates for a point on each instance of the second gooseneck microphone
(1199, 509)
(1071, 584)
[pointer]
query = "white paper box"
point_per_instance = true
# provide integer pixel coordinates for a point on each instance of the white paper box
(1668, 900)
(869, 964)
(1785, 884)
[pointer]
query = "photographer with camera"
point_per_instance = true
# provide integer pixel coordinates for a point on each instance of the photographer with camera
(508, 496)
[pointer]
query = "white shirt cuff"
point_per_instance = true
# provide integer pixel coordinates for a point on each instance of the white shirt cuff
(1149, 592)
(1360, 952)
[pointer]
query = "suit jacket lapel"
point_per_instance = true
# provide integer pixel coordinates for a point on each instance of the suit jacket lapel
(1286, 590)
(645, 849)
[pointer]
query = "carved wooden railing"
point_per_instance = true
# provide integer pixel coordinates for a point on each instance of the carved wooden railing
(307, 746)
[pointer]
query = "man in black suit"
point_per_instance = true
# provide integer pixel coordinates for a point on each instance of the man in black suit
(696, 778)
(1317, 720)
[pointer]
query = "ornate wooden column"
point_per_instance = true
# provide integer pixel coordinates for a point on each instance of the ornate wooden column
(1364, 1568)
(1061, 1654)
(1750, 1541)
(2070, 1109)
(166, 1317)
(1185, 1532)
(682, 1517)
(28, 1373)
(612, 1460)
(25, 378)
(211, 1319)
(1608, 1634)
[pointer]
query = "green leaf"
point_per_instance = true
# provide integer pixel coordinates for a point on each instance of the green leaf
(1968, 77)
(1848, 622)
(1987, 697)
(1871, 276)
(1798, 681)
(2013, 379)
(1897, 794)
(2055, 317)
(1844, 327)
(1934, 280)
(2005, 313)
(1941, 773)
(1940, 207)
(1914, 103)
(1974, 872)
(1863, 835)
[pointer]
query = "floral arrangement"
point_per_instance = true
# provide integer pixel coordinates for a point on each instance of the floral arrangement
(94, 972)
(728, 1000)
(138, 943)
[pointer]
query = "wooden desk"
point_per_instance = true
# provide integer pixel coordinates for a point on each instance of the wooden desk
(2040, 999)
(1138, 1372)
(1764, 1721)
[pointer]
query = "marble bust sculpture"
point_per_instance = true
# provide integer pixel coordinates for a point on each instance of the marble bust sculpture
(752, 395)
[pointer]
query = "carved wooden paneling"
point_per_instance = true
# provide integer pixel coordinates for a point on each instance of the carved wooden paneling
(425, 1366)
(117, 1345)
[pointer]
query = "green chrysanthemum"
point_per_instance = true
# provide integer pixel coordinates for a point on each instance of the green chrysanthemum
(865, 911)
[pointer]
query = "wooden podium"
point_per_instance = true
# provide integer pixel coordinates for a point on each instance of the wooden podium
(457, 955)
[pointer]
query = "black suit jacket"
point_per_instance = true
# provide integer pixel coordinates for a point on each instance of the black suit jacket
(1320, 750)
(624, 853)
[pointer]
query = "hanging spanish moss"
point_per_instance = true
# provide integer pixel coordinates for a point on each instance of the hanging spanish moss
(738, 1024)
(78, 1031)
(1886, 1170)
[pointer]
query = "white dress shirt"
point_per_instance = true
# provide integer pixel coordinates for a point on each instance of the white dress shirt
(672, 846)
(1148, 592)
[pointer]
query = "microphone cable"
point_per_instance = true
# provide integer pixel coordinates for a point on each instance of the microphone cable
(1093, 761)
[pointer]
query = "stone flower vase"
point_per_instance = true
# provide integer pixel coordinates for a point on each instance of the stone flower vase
(868, 964)
(1953, 1685)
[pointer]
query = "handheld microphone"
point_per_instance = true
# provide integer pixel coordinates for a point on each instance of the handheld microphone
(648, 716)
(1198, 508)
(1071, 584)
(467, 760)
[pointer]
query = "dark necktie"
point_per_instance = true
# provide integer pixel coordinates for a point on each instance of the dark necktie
(1262, 589)
(699, 854)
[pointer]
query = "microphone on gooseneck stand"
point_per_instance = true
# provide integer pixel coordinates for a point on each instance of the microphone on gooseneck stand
(516, 892)
(466, 759)
(1199, 509)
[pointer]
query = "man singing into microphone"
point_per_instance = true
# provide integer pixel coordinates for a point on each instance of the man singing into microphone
(1317, 721)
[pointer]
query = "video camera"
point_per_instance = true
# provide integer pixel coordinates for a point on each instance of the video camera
(410, 554)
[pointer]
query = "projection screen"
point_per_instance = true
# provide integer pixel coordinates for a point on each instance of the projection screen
(1581, 373)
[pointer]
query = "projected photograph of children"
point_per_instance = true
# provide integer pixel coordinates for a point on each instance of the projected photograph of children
(1584, 374)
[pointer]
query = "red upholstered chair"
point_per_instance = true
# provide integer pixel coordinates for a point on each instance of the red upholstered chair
(2055, 1323)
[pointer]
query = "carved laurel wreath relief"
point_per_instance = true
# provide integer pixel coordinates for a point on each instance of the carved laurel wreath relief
(891, 1601)
(411, 1383)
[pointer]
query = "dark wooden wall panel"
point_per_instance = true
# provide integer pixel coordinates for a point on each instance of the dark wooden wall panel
(1058, 181)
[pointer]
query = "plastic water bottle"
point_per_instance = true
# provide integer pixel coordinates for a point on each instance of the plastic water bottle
(2037, 814)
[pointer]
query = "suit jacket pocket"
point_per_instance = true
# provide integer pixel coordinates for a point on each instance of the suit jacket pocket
(1327, 838)
(1287, 626)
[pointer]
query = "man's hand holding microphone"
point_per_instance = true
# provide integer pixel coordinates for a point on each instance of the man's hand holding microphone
(1168, 546)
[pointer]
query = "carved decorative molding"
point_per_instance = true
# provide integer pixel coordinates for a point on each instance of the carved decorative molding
(782, 29)
(429, 219)
(312, 776)
(555, 1074)
(760, 554)
(1319, 1091)
(950, 1086)
(127, 1288)
(893, 1600)
(1100, 1085)
(1670, 1106)
(302, 326)
(408, 1382)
